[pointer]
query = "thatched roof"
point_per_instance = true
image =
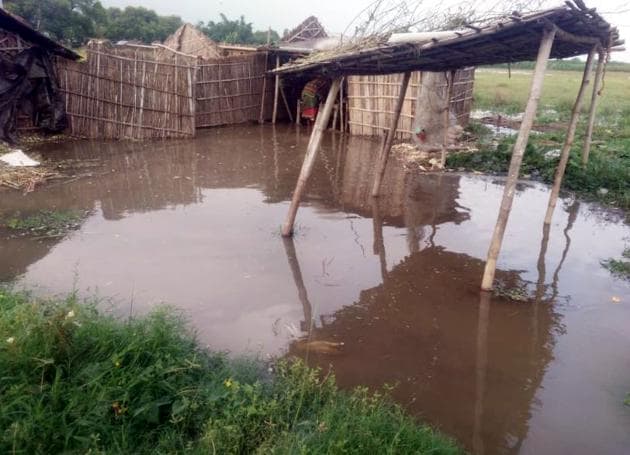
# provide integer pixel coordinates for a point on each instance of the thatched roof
(309, 29)
(511, 39)
(19, 26)
(190, 40)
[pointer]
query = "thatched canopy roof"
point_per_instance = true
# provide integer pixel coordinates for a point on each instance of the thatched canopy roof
(19, 26)
(190, 40)
(511, 39)
(309, 29)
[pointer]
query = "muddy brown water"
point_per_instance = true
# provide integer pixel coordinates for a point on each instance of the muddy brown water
(196, 224)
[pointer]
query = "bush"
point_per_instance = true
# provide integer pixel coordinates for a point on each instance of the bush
(76, 380)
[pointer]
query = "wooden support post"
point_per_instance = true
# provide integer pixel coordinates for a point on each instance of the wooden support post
(311, 154)
(276, 92)
(286, 103)
(568, 142)
(261, 117)
(447, 116)
(389, 138)
(343, 126)
(298, 112)
(517, 158)
(586, 150)
(335, 116)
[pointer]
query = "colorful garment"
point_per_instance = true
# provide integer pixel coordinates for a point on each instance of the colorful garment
(313, 94)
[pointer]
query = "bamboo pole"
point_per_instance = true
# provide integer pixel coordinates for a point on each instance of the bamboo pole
(517, 158)
(276, 91)
(343, 126)
(447, 116)
(286, 103)
(311, 154)
(387, 145)
(586, 150)
(261, 116)
(568, 142)
(298, 112)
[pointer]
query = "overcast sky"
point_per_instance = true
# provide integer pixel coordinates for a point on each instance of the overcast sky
(335, 15)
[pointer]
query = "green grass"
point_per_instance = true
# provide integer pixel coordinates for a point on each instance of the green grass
(607, 176)
(619, 267)
(73, 380)
(48, 223)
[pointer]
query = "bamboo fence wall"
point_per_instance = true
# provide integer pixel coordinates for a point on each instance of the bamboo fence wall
(371, 101)
(229, 90)
(129, 92)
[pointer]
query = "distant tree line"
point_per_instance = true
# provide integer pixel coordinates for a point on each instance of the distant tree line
(73, 22)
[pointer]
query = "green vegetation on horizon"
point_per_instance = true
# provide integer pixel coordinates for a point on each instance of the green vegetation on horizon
(573, 64)
(73, 22)
(607, 176)
(78, 381)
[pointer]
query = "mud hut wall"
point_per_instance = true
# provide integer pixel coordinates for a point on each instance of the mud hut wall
(229, 90)
(129, 92)
(371, 101)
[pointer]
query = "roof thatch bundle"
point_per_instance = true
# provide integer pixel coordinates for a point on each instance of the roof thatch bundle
(190, 40)
(309, 29)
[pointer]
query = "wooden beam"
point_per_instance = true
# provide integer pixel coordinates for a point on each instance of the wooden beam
(311, 153)
(568, 142)
(276, 92)
(389, 139)
(586, 150)
(447, 116)
(517, 158)
(286, 103)
(261, 116)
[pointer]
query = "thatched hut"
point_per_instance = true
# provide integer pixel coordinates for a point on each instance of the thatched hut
(190, 40)
(28, 82)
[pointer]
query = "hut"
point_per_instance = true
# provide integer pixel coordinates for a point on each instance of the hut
(566, 31)
(29, 88)
(190, 40)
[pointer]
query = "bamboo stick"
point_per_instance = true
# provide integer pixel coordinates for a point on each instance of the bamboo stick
(311, 154)
(517, 157)
(276, 91)
(447, 119)
(343, 125)
(387, 145)
(286, 103)
(298, 112)
(586, 150)
(261, 117)
(568, 142)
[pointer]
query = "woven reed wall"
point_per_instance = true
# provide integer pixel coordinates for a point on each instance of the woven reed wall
(229, 90)
(371, 101)
(129, 92)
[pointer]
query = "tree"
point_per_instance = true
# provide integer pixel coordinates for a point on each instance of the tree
(69, 21)
(235, 31)
(138, 23)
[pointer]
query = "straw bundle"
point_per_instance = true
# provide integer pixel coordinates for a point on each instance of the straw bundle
(190, 40)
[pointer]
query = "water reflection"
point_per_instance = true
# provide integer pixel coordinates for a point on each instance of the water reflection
(396, 279)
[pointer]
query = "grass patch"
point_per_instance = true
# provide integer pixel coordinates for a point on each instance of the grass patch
(619, 267)
(78, 381)
(45, 223)
(606, 178)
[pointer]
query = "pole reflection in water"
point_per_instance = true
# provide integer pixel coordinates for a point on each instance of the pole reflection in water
(481, 367)
(289, 247)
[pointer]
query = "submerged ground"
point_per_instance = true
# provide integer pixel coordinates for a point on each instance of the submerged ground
(384, 293)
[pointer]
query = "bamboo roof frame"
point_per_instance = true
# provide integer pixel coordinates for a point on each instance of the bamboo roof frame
(566, 31)
(511, 39)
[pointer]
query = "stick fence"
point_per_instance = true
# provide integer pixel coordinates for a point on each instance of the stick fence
(371, 101)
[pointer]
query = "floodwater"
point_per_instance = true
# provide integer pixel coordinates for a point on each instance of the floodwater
(195, 224)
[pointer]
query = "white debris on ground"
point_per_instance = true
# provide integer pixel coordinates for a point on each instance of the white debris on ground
(18, 158)
(416, 158)
(552, 154)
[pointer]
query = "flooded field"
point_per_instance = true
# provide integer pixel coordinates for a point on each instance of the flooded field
(384, 293)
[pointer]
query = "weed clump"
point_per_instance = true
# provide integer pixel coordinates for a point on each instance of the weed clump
(45, 223)
(75, 380)
(619, 267)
